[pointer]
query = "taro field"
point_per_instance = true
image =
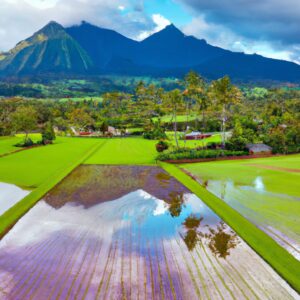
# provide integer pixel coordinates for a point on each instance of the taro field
(265, 190)
(129, 232)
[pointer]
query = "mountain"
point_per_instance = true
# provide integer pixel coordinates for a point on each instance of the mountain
(102, 44)
(88, 49)
(170, 48)
(50, 50)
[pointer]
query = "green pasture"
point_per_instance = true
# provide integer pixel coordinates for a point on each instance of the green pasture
(81, 99)
(216, 138)
(126, 151)
(179, 118)
(31, 167)
(7, 143)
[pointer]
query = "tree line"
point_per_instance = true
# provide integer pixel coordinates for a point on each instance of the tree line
(250, 114)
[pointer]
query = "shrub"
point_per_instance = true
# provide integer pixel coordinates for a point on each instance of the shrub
(237, 143)
(48, 134)
(26, 143)
(161, 146)
(198, 154)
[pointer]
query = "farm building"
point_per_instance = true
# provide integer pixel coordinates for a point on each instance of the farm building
(196, 135)
(259, 149)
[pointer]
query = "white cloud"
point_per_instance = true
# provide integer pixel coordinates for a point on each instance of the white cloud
(19, 19)
(160, 21)
(224, 37)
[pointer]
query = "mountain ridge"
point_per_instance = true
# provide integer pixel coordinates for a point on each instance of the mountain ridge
(91, 50)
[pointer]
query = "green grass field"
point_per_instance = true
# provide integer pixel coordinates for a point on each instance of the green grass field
(80, 99)
(7, 143)
(265, 190)
(216, 138)
(180, 118)
(125, 151)
(31, 167)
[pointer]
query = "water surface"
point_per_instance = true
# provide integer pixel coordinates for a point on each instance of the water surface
(10, 194)
(116, 232)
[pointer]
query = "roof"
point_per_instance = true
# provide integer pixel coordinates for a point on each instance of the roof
(193, 133)
(258, 147)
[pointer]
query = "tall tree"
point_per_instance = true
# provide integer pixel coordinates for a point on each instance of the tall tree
(196, 93)
(80, 118)
(174, 99)
(224, 94)
(25, 119)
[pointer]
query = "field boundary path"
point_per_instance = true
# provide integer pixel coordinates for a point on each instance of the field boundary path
(282, 169)
(11, 216)
(277, 257)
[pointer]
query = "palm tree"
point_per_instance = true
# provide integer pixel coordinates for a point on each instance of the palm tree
(174, 99)
(196, 92)
(224, 94)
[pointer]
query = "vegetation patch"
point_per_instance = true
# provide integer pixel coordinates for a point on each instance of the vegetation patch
(197, 154)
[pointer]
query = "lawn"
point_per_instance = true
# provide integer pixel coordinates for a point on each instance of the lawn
(126, 151)
(80, 99)
(7, 143)
(32, 167)
(216, 138)
(266, 191)
(180, 118)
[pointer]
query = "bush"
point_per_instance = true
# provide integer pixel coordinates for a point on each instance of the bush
(213, 145)
(48, 134)
(237, 143)
(198, 154)
(155, 134)
(161, 146)
(26, 143)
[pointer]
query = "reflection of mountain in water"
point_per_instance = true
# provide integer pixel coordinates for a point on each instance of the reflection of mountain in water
(92, 184)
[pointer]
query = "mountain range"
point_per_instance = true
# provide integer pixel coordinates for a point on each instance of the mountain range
(90, 50)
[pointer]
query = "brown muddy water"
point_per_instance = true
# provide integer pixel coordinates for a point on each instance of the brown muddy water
(129, 232)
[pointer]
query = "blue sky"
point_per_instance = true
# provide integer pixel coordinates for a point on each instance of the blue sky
(267, 27)
(170, 10)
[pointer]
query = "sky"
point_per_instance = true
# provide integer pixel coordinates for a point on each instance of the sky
(267, 27)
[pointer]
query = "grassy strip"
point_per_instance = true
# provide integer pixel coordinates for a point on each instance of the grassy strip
(11, 216)
(283, 262)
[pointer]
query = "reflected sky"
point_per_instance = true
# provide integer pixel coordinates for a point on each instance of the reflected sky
(132, 246)
(10, 194)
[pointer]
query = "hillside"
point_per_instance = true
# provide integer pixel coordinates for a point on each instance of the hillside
(50, 50)
(88, 49)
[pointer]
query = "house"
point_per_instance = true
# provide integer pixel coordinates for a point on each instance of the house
(113, 131)
(259, 149)
(196, 135)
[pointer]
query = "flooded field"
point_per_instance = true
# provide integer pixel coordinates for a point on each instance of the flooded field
(265, 191)
(120, 232)
(259, 206)
(10, 194)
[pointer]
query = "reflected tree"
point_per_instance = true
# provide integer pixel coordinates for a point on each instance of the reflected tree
(175, 206)
(221, 241)
(191, 239)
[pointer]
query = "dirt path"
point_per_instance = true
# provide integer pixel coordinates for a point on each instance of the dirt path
(274, 168)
